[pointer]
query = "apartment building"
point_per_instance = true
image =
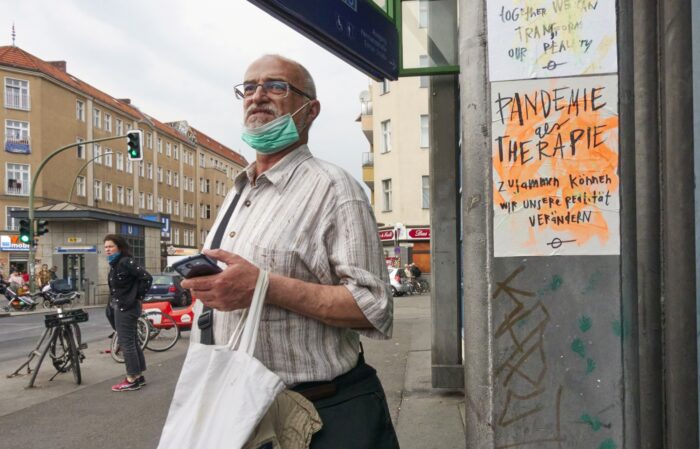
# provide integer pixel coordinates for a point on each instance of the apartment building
(94, 188)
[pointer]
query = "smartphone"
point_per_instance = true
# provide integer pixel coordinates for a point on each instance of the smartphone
(197, 265)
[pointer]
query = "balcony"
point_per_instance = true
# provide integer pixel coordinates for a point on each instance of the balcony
(368, 169)
(368, 159)
(18, 146)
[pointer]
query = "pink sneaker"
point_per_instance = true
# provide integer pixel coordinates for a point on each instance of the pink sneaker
(125, 385)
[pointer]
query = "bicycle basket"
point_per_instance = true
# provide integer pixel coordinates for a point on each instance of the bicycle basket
(69, 317)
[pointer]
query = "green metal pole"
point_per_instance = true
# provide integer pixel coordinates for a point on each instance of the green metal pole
(75, 178)
(32, 243)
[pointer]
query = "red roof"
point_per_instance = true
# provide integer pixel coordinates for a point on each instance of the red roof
(16, 57)
(218, 148)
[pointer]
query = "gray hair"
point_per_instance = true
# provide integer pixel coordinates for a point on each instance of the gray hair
(309, 86)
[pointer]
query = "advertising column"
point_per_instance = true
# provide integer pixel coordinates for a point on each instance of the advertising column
(557, 331)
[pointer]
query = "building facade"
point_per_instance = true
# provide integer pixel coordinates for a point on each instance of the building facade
(181, 181)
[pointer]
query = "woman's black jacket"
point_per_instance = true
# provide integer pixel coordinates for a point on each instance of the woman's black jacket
(128, 282)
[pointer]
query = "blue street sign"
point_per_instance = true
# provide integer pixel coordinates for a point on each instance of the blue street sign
(354, 30)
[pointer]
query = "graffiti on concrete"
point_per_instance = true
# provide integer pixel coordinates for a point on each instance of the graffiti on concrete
(529, 400)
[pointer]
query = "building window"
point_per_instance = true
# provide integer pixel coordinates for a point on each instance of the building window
(10, 223)
(141, 168)
(425, 189)
(386, 136)
(79, 110)
(120, 161)
(159, 202)
(423, 61)
(186, 238)
(424, 131)
(16, 94)
(168, 206)
(201, 185)
(176, 180)
(169, 177)
(192, 190)
(149, 170)
(168, 149)
(160, 145)
(176, 208)
(129, 166)
(108, 157)
(120, 127)
(17, 136)
(149, 140)
(17, 176)
(422, 14)
(149, 201)
(142, 200)
(97, 190)
(96, 118)
(386, 88)
(80, 186)
(176, 236)
(386, 191)
(129, 197)
(108, 123)
(108, 192)
(80, 149)
(96, 153)
(160, 174)
(176, 153)
(120, 195)
(203, 234)
(202, 160)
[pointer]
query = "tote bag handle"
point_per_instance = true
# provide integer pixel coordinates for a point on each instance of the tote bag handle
(245, 335)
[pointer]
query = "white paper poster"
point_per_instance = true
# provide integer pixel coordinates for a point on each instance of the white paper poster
(555, 167)
(551, 38)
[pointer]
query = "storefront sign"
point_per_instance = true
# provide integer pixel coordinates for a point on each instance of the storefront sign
(74, 240)
(419, 234)
(76, 249)
(12, 243)
(387, 234)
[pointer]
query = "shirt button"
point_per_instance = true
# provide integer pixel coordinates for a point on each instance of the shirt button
(232, 234)
(247, 203)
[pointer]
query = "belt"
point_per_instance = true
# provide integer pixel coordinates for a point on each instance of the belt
(315, 391)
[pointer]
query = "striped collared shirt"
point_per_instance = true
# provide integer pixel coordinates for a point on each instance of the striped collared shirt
(306, 219)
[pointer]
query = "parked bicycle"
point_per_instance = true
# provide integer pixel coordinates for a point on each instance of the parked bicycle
(64, 345)
(156, 331)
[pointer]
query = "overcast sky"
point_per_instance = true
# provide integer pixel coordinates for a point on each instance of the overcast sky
(179, 59)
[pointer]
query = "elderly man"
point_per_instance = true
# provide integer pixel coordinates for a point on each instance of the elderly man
(310, 225)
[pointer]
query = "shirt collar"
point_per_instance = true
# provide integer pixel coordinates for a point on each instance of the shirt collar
(280, 174)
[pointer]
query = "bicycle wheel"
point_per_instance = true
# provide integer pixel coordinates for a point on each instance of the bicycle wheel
(59, 351)
(73, 354)
(163, 331)
(142, 334)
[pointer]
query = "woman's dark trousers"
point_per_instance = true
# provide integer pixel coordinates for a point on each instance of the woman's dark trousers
(125, 325)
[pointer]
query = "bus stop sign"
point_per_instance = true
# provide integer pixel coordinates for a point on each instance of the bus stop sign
(354, 30)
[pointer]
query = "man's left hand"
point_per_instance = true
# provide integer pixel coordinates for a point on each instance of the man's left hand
(231, 289)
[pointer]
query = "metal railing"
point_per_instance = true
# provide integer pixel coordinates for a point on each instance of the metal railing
(368, 159)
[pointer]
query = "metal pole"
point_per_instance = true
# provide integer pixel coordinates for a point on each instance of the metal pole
(72, 189)
(32, 244)
(678, 284)
(647, 176)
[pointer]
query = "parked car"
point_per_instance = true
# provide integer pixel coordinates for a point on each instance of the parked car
(397, 278)
(166, 287)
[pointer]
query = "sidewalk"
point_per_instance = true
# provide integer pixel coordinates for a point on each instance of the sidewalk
(60, 415)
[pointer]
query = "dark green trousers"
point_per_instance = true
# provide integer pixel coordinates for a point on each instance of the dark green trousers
(357, 415)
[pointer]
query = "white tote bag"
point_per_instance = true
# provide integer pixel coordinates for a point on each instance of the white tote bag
(223, 391)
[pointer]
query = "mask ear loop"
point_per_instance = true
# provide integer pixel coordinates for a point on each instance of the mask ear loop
(295, 113)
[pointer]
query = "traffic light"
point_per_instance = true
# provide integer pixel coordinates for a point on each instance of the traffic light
(25, 231)
(134, 145)
(42, 227)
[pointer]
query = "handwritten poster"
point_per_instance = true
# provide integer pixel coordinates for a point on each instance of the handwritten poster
(555, 167)
(551, 38)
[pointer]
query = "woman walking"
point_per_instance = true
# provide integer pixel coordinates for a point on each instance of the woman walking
(128, 283)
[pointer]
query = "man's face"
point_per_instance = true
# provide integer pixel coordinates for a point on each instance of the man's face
(260, 108)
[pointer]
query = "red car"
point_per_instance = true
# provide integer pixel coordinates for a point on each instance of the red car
(183, 316)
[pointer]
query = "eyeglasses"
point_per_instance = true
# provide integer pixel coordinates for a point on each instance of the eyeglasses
(273, 88)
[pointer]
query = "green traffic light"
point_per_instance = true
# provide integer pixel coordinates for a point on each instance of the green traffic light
(24, 238)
